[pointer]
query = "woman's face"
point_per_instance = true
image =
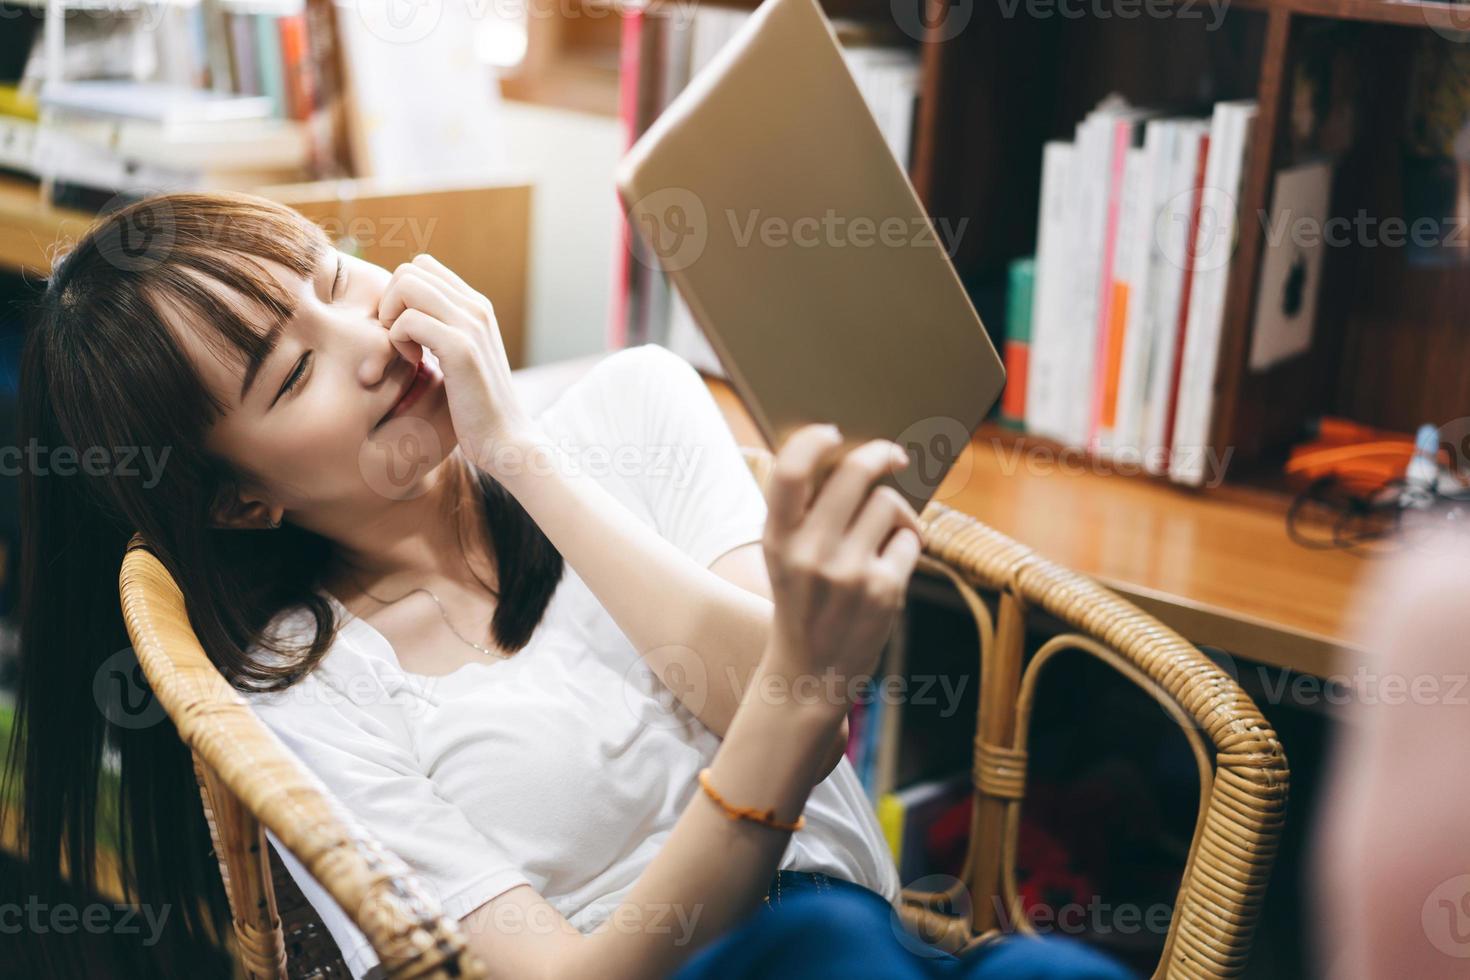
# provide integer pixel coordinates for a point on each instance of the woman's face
(303, 427)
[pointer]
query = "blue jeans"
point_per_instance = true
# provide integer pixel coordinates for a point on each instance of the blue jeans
(814, 926)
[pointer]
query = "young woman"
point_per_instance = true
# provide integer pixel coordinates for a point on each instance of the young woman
(534, 654)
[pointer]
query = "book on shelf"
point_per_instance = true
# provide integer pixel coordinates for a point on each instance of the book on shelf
(1092, 205)
(1047, 390)
(236, 98)
(1123, 131)
(1214, 246)
(102, 139)
(661, 52)
(641, 81)
(1136, 228)
(163, 105)
(18, 115)
(1020, 283)
(1172, 174)
(1120, 293)
(875, 721)
(709, 29)
(926, 826)
(1177, 236)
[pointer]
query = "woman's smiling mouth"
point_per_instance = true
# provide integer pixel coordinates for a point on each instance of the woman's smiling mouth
(425, 377)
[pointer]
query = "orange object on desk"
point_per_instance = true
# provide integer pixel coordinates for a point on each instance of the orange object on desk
(1362, 459)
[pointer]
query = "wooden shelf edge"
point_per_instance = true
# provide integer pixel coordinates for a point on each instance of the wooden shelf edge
(1405, 13)
(1255, 494)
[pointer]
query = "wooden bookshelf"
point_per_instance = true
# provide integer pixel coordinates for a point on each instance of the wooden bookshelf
(1388, 347)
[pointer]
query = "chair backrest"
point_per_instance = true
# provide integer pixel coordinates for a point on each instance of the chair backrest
(250, 781)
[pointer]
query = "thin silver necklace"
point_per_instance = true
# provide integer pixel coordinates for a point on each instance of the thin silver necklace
(443, 615)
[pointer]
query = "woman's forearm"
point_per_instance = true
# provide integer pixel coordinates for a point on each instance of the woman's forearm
(699, 633)
(712, 871)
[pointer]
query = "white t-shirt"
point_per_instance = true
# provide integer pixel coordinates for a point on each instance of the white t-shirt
(567, 765)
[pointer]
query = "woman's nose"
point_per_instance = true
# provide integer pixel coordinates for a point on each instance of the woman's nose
(376, 357)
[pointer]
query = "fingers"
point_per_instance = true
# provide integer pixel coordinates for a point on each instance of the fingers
(897, 560)
(446, 284)
(412, 288)
(850, 485)
(450, 278)
(793, 476)
(414, 329)
(885, 512)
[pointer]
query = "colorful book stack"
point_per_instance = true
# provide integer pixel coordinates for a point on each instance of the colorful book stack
(1135, 235)
(1020, 285)
(660, 54)
(18, 109)
(18, 114)
(875, 721)
(242, 98)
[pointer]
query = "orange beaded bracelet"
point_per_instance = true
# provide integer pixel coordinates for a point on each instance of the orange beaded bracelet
(766, 818)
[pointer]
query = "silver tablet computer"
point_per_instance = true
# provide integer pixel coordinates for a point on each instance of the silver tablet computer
(768, 194)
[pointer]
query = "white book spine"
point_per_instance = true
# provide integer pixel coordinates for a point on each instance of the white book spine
(1052, 295)
(1129, 254)
(63, 157)
(1093, 178)
(1171, 233)
(1138, 338)
(1214, 249)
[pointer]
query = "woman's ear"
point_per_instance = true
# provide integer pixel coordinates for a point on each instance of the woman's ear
(236, 508)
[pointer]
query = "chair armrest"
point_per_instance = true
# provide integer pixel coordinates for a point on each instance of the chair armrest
(1242, 801)
(1243, 771)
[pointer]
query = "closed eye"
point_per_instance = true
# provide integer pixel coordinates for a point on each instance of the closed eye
(295, 378)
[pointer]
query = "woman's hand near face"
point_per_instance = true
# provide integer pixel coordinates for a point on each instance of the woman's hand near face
(425, 304)
(839, 557)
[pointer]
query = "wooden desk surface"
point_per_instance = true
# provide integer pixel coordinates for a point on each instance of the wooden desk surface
(1215, 567)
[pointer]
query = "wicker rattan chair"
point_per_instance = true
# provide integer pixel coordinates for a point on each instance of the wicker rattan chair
(249, 781)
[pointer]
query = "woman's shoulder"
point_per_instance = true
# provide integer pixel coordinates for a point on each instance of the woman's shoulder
(621, 383)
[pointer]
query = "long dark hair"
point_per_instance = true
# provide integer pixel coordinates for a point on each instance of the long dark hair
(102, 369)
